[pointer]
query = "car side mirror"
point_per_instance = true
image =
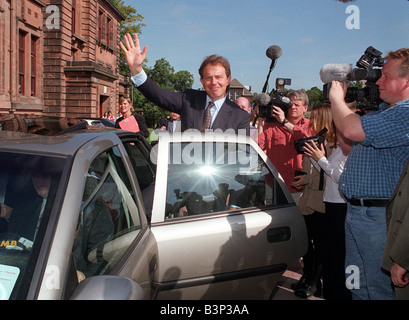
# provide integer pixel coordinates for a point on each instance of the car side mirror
(108, 288)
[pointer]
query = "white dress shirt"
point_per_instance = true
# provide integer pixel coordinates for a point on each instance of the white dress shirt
(333, 167)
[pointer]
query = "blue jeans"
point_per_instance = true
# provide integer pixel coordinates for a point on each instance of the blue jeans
(365, 237)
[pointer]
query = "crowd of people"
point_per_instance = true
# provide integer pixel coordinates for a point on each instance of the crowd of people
(352, 188)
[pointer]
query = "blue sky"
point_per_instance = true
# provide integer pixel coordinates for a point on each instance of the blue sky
(311, 33)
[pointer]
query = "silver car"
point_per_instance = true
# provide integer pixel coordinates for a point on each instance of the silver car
(100, 214)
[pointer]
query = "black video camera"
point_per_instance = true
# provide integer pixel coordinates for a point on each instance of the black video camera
(318, 139)
(277, 98)
(283, 103)
(367, 98)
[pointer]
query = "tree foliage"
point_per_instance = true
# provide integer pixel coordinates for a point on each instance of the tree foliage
(133, 23)
(166, 77)
(315, 97)
(162, 72)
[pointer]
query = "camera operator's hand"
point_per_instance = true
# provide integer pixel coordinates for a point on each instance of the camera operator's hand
(259, 120)
(338, 91)
(346, 120)
(279, 114)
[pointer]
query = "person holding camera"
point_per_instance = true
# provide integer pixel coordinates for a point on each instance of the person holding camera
(276, 138)
(378, 156)
(313, 182)
(333, 274)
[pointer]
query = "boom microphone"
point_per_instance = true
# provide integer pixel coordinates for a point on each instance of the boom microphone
(273, 52)
(335, 72)
(262, 99)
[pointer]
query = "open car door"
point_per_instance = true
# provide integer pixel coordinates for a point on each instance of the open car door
(226, 225)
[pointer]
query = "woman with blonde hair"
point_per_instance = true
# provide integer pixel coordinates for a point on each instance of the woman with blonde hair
(130, 120)
(311, 204)
(333, 273)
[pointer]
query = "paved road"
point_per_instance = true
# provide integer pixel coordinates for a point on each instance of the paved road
(283, 290)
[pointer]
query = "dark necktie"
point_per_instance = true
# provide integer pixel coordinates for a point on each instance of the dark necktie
(207, 119)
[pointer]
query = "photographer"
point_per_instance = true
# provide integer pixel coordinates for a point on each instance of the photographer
(276, 138)
(378, 156)
(311, 204)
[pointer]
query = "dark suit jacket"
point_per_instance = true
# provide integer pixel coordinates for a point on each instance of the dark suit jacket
(190, 105)
(397, 219)
(397, 241)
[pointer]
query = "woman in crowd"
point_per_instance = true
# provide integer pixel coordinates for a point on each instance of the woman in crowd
(311, 204)
(335, 212)
(131, 121)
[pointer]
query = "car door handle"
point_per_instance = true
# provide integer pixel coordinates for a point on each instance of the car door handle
(278, 234)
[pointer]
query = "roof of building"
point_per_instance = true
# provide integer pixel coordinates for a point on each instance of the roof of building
(235, 84)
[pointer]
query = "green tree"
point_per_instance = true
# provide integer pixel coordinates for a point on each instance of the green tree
(315, 96)
(164, 75)
(162, 72)
(182, 80)
(133, 23)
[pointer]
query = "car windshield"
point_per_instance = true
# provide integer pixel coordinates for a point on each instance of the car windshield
(28, 185)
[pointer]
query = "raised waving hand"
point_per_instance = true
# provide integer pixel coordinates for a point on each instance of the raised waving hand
(133, 53)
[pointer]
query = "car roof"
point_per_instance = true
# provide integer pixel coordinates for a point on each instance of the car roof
(63, 145)
(48, 125)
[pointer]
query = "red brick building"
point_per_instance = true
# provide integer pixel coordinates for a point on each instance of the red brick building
(60, 57)
(236, 90)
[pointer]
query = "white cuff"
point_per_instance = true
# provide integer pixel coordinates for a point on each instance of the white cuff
(139, 79)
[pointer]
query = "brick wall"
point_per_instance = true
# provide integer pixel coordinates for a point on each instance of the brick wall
(76, 73)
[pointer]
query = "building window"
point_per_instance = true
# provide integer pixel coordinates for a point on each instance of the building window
(108, 30)
(73, 18)
(21, 61)
(34, 41)
(100, 25)
(105, 29)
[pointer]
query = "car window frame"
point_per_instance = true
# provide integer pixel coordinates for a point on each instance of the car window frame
(162, 151)
(65, 224)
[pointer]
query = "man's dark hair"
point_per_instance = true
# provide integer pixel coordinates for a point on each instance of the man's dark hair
(215, 59)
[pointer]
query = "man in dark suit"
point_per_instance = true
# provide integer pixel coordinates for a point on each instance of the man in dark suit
(215, 76)
(170, 123)
(396, 252)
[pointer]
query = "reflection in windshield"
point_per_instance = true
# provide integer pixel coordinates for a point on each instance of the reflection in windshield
(28, 184)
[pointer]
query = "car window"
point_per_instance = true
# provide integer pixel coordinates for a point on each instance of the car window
(109, 219)
(214, 177)
(28, 189)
